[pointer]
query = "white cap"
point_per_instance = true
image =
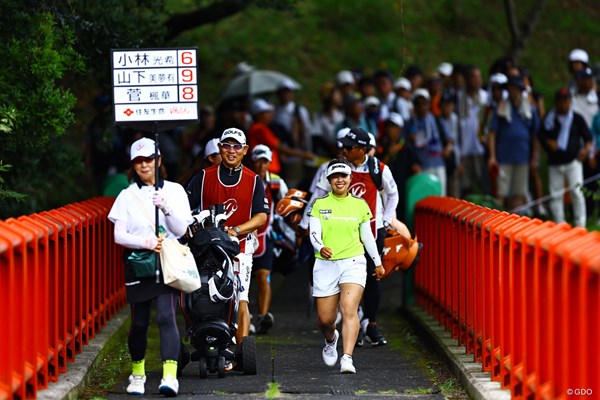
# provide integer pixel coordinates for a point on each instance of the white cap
(421, 93)
(402, 83)
(372, 141)
(338, 168)
(340, 134)
(261, 105)
(372, 101)
(261, 151)
(343, 77)
(445, 69)
(498, 78)
(143, 147)
(212, 147)
(579, 55)
(396, 119)
(235, 134)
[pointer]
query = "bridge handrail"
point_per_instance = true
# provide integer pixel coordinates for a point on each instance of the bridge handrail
(61, 280)
(520, 294)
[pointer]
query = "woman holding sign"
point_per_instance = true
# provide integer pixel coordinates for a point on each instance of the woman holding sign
(339, 227)
(132, 214)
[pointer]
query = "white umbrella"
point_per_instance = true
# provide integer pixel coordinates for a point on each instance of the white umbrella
(257, 82)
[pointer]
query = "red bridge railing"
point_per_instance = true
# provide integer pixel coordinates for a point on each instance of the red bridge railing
(61, 280)
(521, 295)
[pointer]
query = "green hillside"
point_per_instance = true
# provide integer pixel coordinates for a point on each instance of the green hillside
(323, 36)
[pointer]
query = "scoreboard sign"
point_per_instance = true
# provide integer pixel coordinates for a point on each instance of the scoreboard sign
(154, 85)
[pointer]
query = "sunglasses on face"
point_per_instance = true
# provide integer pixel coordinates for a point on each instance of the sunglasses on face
(234, 146)
(350, 148)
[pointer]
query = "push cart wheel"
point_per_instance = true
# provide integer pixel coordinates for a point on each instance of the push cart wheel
(221, 370)
(249, 355)
(202, 367)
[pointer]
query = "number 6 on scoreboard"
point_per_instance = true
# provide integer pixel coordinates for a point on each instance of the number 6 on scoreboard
(187, 57)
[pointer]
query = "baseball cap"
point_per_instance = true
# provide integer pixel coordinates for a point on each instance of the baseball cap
(372, 101)
(579, 55)
(235, 134)
(516, 81)
(395, 119)
(340, 134)
(445, 69)
(287, 84)
(261, 105)
(338, 168)
(356, 136)
(261, 151)
(402, 83)
(212, 147)
(143, 147)
(421, 93)
(372, 140)
(584, 73)
(448, 97)
(498, 78)
(384, 74)
(344, 77)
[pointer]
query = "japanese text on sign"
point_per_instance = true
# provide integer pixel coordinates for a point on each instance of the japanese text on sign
(155, 85)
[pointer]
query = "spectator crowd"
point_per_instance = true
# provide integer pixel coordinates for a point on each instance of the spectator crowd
(480, 132)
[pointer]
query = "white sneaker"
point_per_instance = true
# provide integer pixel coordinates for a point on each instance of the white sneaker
(136, 384)
(330, 354)
(169, 386)
(346, 365)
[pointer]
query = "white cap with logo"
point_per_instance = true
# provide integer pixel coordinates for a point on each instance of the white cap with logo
(338, 168)
(235, 134)
(143, 147)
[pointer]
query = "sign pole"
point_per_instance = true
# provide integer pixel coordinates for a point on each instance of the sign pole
(156, 178)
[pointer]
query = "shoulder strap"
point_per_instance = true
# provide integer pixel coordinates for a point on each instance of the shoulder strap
(375, 171)
(131, 191)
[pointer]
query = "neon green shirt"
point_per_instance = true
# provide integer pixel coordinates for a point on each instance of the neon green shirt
(340, 224)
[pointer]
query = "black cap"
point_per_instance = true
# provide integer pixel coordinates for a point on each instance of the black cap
(356, 137)
(584, 73)
(516, 81)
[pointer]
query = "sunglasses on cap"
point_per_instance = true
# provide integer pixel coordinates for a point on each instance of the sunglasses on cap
(234, 146)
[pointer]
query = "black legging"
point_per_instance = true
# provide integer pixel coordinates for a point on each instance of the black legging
(372, 294)
(167, 325)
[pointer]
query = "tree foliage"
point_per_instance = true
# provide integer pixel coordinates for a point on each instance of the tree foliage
(37, 55)
(48, 45)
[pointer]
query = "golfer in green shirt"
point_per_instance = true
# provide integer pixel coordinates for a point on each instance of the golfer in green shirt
(339, 228)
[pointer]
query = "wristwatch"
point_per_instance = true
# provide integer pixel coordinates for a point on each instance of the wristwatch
(236, 230)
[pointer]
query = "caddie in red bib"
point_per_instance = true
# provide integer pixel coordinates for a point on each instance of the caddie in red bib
(242, 193)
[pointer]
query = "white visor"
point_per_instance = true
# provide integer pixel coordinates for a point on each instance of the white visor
(338, 168)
